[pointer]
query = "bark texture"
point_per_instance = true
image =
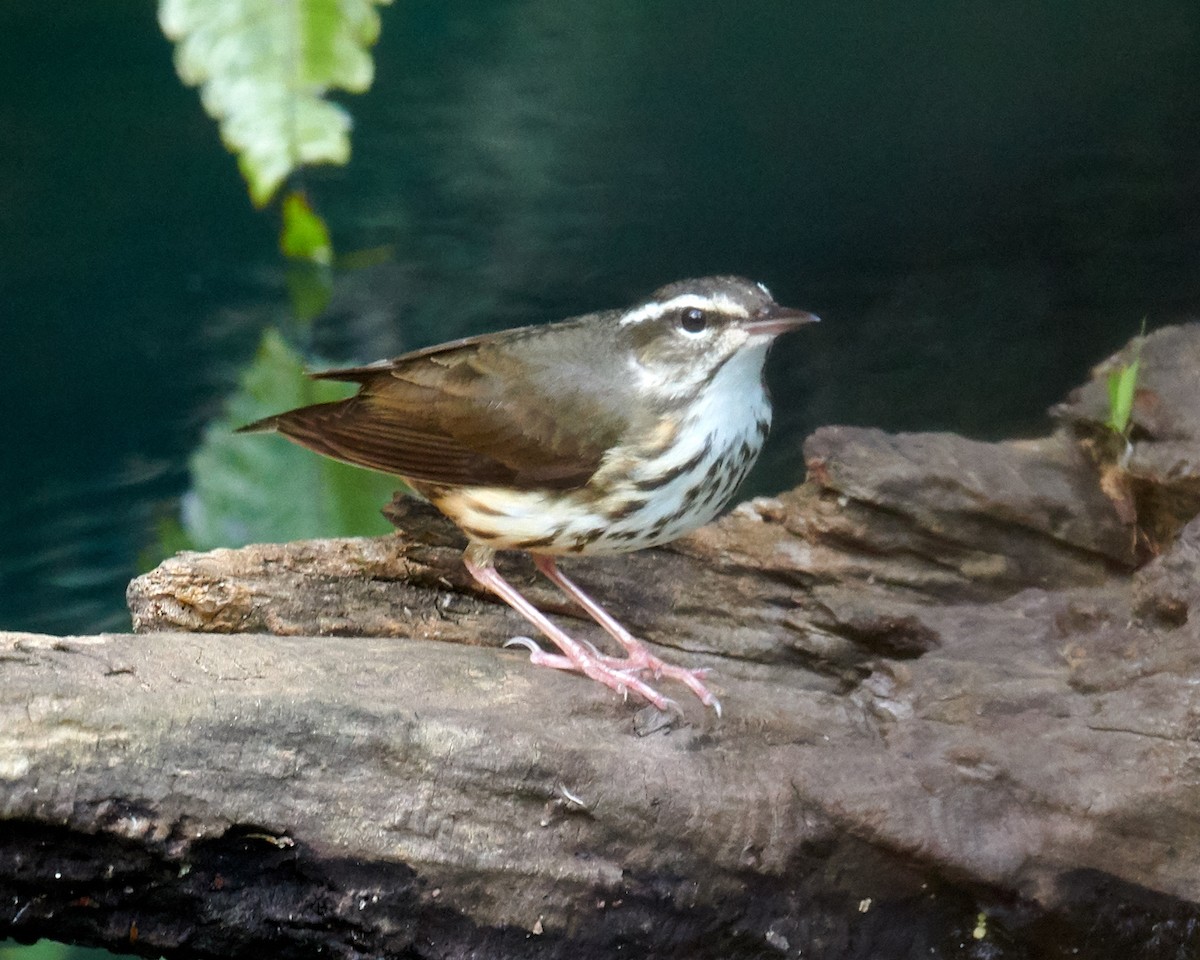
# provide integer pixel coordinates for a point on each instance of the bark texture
(961, 719)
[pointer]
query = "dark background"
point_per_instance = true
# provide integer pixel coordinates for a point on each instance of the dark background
(981, 199)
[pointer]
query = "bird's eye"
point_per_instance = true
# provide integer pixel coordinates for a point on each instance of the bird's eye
(693, 320)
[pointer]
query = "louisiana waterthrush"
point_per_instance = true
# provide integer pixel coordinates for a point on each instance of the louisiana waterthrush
(604, 433)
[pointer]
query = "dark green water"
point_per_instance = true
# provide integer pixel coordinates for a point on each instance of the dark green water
(981, 199)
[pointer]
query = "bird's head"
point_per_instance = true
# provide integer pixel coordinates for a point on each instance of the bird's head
(687, 331)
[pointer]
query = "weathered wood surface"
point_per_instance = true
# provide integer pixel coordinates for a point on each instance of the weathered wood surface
(947, 690)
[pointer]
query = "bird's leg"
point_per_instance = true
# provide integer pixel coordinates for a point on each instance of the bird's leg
(480, 563)
(639, 658)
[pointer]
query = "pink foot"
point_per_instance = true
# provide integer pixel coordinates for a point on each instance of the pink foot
(638, 657)
(616, 673)
(601, 668)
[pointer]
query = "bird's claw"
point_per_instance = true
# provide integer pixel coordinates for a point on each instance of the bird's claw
(527, 642)
(534, 648)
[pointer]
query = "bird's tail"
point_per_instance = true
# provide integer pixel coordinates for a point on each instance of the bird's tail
(313, 427)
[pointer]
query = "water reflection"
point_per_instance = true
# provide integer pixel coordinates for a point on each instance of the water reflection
(979, 205)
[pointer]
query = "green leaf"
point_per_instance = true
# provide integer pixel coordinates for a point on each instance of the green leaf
(262, 488)
(264, 67)
(1122, 386)
(305, 235)
(1122, 389)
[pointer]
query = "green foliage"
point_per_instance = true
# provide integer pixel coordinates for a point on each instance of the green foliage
(305, 235)
(52, 950)
(1122, 385)
(1122, 389)
(264, 67)
(262, 488)
(42, 950)
(305, 241)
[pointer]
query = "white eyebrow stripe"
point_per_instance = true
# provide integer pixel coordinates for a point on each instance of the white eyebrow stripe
(653, 310)
(763, 287)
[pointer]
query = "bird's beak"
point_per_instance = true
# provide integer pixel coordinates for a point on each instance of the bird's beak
(773, 320)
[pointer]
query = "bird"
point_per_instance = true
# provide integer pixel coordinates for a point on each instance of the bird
(600, 434)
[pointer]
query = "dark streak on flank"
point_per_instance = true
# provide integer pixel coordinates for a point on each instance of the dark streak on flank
(688, 500)
(476, 534)
(630, 508)
(480, 507)
(534, 544)
(584, 540)
(659, 526)
(653, 483)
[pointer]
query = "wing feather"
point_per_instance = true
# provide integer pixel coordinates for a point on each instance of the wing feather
(472, 412)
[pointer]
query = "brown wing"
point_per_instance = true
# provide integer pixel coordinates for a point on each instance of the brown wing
(522, 408)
